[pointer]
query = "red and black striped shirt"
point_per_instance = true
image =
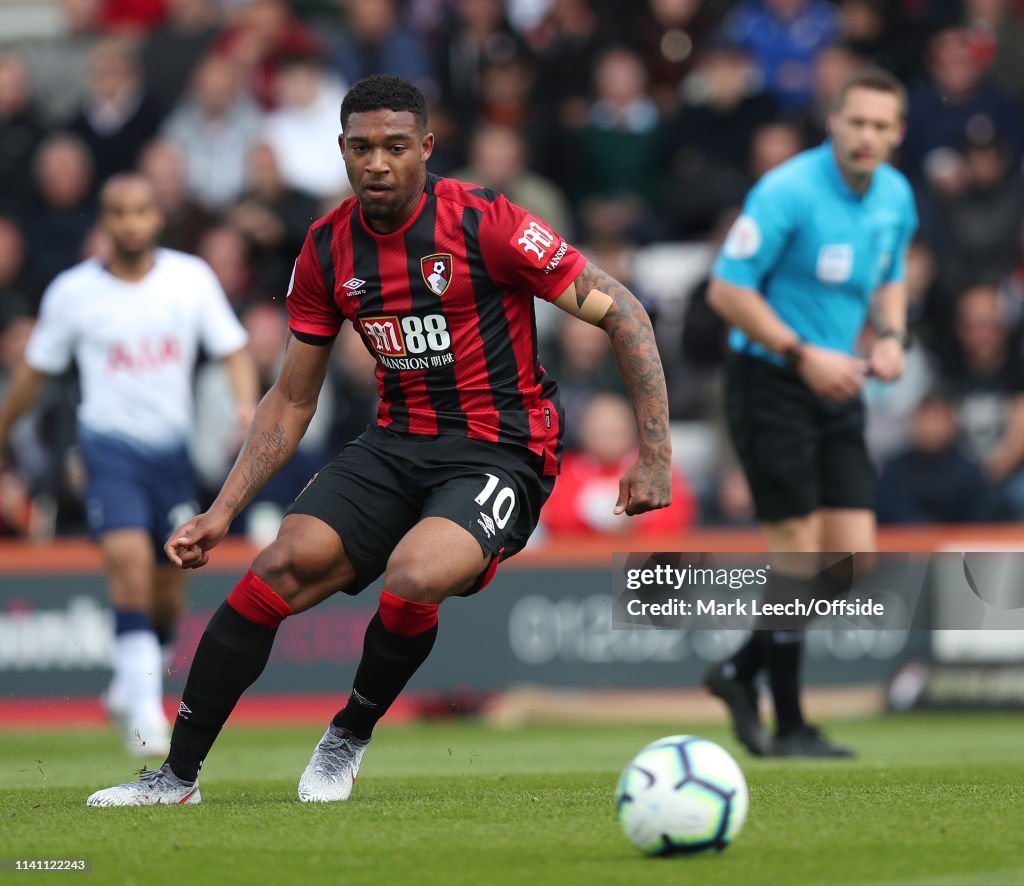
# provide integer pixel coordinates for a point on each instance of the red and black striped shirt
(445, 305)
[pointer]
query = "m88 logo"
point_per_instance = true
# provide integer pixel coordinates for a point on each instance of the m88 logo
(392, 336)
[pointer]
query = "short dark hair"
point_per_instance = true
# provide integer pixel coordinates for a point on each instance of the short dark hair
(383, 92)
(875, 79)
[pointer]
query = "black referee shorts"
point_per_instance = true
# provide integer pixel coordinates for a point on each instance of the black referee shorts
(383, 483)
(799, 452)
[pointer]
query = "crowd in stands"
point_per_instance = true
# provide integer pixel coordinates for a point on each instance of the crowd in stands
(626, 125)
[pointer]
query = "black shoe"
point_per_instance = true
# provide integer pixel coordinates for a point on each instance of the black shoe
(741, 700)
(807, 741)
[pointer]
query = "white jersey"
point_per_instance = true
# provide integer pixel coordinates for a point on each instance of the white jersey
(135, 344)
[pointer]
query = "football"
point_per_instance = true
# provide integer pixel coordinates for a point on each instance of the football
(682, 795)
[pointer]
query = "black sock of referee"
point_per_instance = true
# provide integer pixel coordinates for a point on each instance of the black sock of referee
(745, 663)
(232, 653)
(780, 639)
(783, 653)
(398, 640)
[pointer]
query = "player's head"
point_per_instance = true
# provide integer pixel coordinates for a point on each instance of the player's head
(385, 144)
(867, 120)
(130, 214)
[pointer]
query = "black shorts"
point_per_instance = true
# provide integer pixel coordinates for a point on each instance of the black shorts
(383, 483)
(799, 452)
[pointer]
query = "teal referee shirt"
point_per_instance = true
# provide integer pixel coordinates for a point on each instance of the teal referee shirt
(816, 250)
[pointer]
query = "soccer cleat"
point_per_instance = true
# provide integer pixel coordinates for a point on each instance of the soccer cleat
(741, 700)
(807, 741)
(155, 787)
(332, 770)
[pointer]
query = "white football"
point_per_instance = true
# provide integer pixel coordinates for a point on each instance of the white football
(682, 795)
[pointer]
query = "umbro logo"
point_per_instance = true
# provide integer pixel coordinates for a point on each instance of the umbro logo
(354, 287)
(183, 710)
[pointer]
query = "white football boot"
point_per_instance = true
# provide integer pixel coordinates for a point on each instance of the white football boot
(332, 770)
(155, 787)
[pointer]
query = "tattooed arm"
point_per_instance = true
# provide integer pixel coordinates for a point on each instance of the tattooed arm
(602, 301)
(279, 423)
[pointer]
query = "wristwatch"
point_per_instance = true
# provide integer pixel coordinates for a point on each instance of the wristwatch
(793, 353)
(901, 335)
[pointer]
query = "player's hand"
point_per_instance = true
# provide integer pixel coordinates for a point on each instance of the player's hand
(886, 359)
(832, 375)
(189, 545)
(646, 486)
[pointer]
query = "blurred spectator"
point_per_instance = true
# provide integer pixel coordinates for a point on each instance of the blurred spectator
(214, 129)
(618, 150)
(565, 42)
(477, 36)
(1011, 287)
(64, 214)
(263, 34)
(772, 145)
(582, 361)
(15, 498)
(711, 137)
(303, 130)
(352, 374)
(784, 36)
(375, 40)
(588, 487)
(693, 370)
(132, 16)
(934, 480)
(184, 220)
(117, 116)
(832, 67)
(224, 249)
(37, 482)
(216, 442)
(59, 68)
(987, 378)
(724, 105)
(20, 289)
(20, 133)
(173, 51)
(891, 405)
(497, 159)
(996, 35)
(954, 98)
(274, 219)
(668, 35)
(867, 30)
(923, 301)
(973, 212)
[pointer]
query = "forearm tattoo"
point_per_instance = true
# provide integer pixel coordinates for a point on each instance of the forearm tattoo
(259, 461)
(636, 353)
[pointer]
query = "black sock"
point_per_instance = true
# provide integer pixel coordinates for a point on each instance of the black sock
(783, 651)
(231, 655)
(747, 660)
(388, 661)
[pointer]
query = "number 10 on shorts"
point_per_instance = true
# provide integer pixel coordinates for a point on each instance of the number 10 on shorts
(504, 502)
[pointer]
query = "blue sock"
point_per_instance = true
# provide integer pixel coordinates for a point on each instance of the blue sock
(128, 620)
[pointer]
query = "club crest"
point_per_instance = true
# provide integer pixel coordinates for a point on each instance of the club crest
(437, 272)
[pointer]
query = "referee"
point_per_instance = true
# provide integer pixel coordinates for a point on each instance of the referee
(820, 244)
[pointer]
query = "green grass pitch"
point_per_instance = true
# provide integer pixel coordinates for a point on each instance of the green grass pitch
(933, 800)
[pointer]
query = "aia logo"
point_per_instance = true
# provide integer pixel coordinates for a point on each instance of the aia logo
(437, 272)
